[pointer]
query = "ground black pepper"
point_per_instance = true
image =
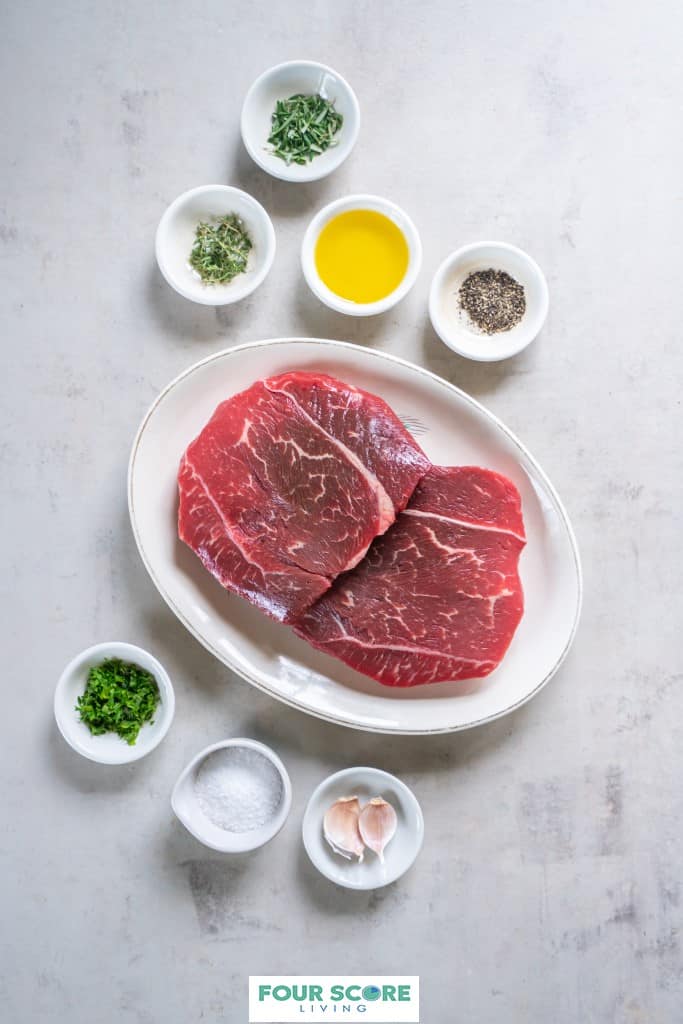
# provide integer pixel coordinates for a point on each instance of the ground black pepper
(493, 300)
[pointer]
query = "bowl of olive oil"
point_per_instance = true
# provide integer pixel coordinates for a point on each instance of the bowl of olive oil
(361, 255)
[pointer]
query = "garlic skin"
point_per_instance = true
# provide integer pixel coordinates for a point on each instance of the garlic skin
(377, 825)
(340, 828)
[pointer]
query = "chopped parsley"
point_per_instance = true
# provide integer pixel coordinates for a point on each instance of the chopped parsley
(119, 697)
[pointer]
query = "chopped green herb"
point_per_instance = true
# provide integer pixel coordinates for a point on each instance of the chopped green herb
(302, 127)
(221, 250)
(119, 697)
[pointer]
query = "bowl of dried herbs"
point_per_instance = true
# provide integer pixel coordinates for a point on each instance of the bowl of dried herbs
(215, 244)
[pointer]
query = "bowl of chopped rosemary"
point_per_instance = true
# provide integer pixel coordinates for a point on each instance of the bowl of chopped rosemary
(114, 703)
(300, 120)
(215, 244)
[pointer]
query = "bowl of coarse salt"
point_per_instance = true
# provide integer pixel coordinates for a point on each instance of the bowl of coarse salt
(234, 796)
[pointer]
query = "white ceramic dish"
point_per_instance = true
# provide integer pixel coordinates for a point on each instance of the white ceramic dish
(453, 326)
(281, 82)
(187, 810)
(360, 202)
(176, 234)
(399, 854)
(110, 748)
(452, 428)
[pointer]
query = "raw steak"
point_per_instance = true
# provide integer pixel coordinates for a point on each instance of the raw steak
(438, 597)
(289, 483)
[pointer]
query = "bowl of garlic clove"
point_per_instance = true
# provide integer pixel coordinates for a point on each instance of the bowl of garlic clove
(362, 828)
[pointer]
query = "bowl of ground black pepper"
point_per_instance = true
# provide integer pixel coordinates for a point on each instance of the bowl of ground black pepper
(488, 301)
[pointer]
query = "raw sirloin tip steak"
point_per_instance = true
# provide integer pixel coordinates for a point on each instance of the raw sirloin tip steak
(289, 483)
(438, 597)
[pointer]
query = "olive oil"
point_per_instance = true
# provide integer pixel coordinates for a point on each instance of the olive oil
(361, 255)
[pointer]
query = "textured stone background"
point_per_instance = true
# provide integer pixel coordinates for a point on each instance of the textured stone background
(549, 885)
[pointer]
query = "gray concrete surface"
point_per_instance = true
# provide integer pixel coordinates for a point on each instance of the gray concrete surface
(549, 886)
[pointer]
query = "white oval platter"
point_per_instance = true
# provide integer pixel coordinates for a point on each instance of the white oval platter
(453, 429)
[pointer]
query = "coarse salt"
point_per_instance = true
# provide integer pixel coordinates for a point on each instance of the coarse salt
(238, 789)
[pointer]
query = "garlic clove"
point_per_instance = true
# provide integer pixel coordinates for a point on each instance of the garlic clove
(340, 828)
(377, 825)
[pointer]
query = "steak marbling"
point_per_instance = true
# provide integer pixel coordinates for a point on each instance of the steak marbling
(438, 597)
(289, 483)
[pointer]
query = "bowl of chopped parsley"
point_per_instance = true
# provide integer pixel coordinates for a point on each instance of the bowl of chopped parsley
(215, 244)
(114, 703)
(300, 120)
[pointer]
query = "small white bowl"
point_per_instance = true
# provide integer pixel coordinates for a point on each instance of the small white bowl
(176, 235)
(451, 324)
(281, 82)
(187, 809)
(360, 202)
(399, 854)
(110, 748)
